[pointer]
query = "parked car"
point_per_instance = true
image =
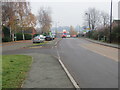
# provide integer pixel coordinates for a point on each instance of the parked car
(38, 39)
(42, 36)
(48, 38)
(53, 37)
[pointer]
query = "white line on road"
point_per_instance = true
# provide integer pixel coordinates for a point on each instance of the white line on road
(67, 72)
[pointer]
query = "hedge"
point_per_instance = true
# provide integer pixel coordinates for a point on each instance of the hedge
(104, 34)
(28, 36)
(19, 36)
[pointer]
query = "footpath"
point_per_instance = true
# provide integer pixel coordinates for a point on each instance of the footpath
(105, 44)
(46, 72)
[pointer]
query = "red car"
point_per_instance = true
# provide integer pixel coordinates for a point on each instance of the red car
(64, 36)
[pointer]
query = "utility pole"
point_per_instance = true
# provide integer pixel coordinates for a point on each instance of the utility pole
(110, 22)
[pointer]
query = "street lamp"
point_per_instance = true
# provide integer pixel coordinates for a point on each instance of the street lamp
(89, 19)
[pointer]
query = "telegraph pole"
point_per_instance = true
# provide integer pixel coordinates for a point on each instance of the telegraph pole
(110, 22)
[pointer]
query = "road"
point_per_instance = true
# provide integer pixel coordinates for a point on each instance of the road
(91, 65)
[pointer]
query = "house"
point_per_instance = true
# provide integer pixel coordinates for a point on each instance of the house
(30, 30)
(116, 23)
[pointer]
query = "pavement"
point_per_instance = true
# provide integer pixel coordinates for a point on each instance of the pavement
(91, 65)
(103, 43)
(46, 72)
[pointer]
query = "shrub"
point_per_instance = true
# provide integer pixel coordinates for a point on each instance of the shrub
(6, 31)
(6, 39)
(28, 36)
(19, 36)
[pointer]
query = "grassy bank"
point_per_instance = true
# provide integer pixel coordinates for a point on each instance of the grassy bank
(14, 70)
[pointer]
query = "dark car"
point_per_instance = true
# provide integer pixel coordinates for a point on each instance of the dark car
(48, 38)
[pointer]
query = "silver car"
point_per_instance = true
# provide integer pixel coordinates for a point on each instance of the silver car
(38, 39)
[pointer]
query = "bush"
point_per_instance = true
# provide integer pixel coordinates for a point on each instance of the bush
(6, 31)
(28, 36)
(35, 35)
(6, 39)
(19, 36)
(115, 35)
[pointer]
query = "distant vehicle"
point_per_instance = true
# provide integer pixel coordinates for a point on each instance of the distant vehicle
(38, 39)
(48, 38)
(73, 36)
(64, 34)
(68, 36)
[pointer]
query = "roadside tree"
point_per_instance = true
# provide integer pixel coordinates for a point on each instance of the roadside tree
(44, 19)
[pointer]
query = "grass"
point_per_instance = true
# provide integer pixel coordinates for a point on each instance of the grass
(37, 44)
(14, 70)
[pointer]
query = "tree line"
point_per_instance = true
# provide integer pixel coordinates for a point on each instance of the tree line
(99, 26)
(17, 17)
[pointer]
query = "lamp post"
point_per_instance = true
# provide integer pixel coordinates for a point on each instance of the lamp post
(110, 22)
(89, 19)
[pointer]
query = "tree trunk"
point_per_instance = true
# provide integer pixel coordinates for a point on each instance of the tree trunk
(13, 37)
(23, 35)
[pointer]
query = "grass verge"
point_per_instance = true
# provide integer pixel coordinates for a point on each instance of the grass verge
(14, 70)
(37, 44)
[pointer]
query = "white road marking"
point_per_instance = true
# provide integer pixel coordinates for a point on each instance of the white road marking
(67, 72)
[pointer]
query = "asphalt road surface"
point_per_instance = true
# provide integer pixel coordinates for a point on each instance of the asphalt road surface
(91, 65)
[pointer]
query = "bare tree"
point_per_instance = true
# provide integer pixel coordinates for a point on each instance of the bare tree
(44, 19)
(96, 19)
(105, 19)
(92, 17)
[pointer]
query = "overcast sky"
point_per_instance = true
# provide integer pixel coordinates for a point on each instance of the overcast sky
(71, 12)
